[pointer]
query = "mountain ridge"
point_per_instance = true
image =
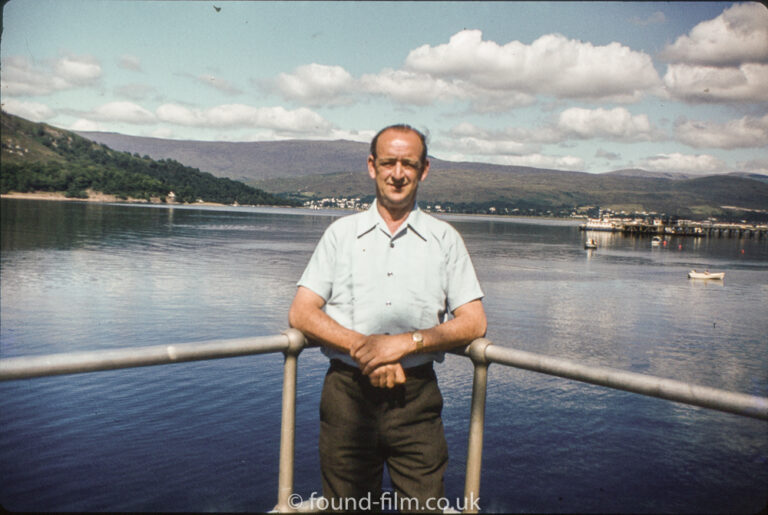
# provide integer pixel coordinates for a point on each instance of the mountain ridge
(300, 170)
(309, 157)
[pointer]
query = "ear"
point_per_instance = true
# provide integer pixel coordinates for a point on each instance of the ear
(425, 171)
(371, 167)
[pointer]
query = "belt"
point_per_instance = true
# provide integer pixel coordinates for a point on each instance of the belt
(424, 371)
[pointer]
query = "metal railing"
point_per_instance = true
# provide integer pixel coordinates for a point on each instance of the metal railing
(482, 353)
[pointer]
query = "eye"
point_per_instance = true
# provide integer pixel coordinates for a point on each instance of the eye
(387, 163)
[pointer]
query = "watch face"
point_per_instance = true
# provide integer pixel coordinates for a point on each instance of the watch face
(418, 339)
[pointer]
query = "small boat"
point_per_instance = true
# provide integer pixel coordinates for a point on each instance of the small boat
(590, 244)
(655, 241)
(693, 274)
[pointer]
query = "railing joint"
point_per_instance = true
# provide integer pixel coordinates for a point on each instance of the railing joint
(296, 342)
(476, 351)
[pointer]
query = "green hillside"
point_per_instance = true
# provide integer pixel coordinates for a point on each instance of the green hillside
(38, 157)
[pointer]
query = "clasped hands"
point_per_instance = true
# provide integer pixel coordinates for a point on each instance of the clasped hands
(378, 357)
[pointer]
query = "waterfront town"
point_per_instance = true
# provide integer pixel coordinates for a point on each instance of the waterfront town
(597, 219)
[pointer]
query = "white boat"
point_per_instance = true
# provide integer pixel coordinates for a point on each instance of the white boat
(655, 241)
(590, 244)
(693, 274)
(598, 224)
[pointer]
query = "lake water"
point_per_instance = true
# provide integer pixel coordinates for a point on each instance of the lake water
(204, 436)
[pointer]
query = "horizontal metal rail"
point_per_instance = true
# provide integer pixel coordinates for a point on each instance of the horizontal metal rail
(26, 367)
(652, 386)
(481, 351)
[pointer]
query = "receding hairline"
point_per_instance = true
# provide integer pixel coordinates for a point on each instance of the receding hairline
(402, 127)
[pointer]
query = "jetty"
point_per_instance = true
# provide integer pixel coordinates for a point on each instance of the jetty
(658, 227)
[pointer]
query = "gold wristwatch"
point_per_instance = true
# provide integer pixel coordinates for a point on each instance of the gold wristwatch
(418, 339)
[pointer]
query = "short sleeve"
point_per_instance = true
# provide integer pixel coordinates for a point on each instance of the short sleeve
(462, 283)
(318, 275)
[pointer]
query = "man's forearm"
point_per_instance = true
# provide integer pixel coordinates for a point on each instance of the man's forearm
(307, 315)
(319, 327)
(469, 323)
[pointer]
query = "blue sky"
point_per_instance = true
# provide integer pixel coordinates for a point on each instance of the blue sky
(595, 87)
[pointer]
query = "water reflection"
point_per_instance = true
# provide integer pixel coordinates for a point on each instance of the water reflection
(83, 276)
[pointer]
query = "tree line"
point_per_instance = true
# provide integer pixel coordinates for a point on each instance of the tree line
(88, 165)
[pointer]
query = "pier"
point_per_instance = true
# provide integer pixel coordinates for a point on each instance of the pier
(677, 228)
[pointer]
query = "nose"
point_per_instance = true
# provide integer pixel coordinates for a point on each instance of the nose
(398, 172)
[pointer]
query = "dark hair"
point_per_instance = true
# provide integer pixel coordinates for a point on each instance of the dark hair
(403, 127)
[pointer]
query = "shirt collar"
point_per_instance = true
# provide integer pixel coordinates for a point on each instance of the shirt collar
(371, 219)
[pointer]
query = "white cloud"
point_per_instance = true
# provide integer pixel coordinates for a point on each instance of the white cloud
(86, 125)
(180, 115)
(130, 62)
(21, 77)
(722, 60)
(300, 120)
(616, 124)
(746, 83)
(755, 166)
(78, 71)
(701, 164)
(34, 111)
(485, 147)
(467, 142)
(468, 138)
(316, 85)
(739, 35)
(411, 88)
(545, 134)
(552, 65)
(742, 133)
(491, 77)
(127, 112)
(571, 163)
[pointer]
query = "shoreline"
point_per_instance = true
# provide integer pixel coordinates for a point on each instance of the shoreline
(96, 196)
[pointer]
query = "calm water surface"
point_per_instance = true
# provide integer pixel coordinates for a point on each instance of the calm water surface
(204, 436)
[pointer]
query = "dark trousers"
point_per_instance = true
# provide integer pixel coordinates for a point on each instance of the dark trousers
(362, 427)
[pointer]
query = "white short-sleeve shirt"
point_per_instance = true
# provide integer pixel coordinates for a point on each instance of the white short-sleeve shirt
(374, 282)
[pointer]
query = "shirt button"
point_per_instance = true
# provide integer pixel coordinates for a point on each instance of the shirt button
(392, 244)
(389, 274)
(388, 303)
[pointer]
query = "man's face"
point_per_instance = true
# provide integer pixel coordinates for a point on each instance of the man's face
(398, 168)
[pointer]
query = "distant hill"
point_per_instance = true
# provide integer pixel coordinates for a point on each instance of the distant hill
(256, 161)
(637, 172)
(246, 161)
(39, 157)
(314, 169)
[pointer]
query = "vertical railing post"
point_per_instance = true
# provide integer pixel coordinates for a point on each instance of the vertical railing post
(288, 420)
(476, 423)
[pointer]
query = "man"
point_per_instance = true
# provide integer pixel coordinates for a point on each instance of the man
(374, 296)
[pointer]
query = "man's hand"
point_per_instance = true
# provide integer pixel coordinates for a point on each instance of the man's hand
(381, 349)
(387, 376)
